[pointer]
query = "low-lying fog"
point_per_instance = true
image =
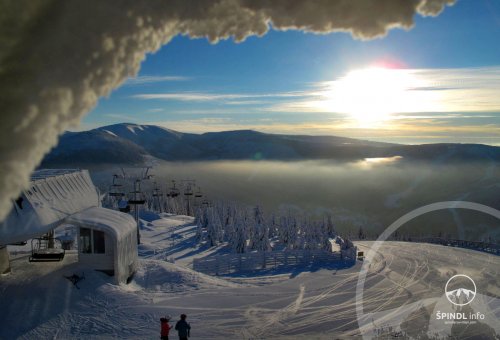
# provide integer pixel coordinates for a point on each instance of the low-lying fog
(371, 193)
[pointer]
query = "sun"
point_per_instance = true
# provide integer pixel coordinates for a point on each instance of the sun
(372, 95)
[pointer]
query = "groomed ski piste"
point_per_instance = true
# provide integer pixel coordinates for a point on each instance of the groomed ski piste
(403, 290)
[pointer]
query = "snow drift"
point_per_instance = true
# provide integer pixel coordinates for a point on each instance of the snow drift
(58, 57)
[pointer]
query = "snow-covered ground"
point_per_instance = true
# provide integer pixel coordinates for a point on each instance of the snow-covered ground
(403, 290)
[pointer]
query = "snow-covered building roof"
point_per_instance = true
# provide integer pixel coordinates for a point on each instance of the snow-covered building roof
(47, 173)
(121, 229)
(116, 223)
(52, 196)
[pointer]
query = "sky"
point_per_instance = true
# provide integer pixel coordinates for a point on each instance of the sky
(437, 82)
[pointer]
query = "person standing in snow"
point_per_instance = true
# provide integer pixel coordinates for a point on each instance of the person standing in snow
(165, 327)
(183, 328)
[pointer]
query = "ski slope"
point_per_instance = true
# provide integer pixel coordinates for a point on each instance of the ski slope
(404, 286)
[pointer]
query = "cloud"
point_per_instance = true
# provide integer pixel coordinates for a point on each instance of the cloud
(156, 110)
(57, 57)
(231, 98)
(141, 80)
(190, 96)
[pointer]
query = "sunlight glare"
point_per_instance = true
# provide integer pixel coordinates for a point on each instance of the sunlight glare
(372, 95)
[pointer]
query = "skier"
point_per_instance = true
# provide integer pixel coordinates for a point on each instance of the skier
(165, 327)
(183, 328)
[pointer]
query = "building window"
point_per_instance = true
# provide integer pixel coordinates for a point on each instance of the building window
(85, 244)
(92, 241)
(99, 247)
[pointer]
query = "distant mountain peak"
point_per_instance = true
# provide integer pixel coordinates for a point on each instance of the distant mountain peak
(132, 128)
(136, 129)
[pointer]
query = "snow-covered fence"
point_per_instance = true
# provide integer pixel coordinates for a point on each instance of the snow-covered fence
(232, 263)
(487, 247)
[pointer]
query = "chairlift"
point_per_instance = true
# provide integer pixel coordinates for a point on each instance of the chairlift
(41, 250)
(174, 192)
(188, 189)
(137, 201)
(123, 205)
(114, 190)
(156, 191)
(198, 193)
(136, 196)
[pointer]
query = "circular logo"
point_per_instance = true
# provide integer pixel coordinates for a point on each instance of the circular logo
(460, 290)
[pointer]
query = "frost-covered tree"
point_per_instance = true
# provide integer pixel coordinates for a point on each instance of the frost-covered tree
(260, 232)
(329, 227)
(288, 230)
(201, 221)
(274, 227)
(238, 239)
(313, 235)
(245, 228)
(228, 219)
(361, 233)
(299, 229)
(214, 228)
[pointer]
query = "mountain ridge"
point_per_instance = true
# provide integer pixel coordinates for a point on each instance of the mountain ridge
(129, 143)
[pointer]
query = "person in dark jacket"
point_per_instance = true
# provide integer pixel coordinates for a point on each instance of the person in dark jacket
(183, 328)
(165, 327)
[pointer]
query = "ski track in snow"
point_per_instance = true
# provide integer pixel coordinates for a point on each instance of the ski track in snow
(38, 303)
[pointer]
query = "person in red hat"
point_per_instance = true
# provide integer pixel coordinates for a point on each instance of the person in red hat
(165, 327)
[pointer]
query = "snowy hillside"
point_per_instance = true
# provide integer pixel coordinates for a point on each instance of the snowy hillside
(94, 147)
(403, 289)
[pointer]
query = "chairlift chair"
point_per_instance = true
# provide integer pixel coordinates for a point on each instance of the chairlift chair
(198, 193)
(188, 188)
(114, 190)
(156, 191)
(174, 192)
(138, 200)
(136, 196)
(188, 191)
(40, 250)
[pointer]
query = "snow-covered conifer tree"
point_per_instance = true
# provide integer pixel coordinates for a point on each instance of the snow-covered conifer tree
(214, 228)
(239, 236)
(260, 233)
